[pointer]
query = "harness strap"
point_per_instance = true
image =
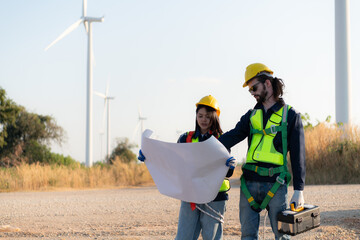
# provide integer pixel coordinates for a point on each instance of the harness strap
(248, 196)
(271, 130)
(280, 180)
(265, 172)
(284, 134)
(189, 136)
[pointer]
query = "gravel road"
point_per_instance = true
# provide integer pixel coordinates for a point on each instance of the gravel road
(143, 213)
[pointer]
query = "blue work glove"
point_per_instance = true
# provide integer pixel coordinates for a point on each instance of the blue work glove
(141, 156)
(231, 163)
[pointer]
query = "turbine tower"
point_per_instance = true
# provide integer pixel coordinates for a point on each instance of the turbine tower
(107, 99)
(342, 63)
(139, 124)
(87, 21)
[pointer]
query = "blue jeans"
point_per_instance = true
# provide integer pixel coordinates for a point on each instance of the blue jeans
(250, 219)
(192, 222)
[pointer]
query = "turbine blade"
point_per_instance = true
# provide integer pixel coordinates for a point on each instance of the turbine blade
(86, 25)
(100, 94)
(84, 8)
(107, 89)
(66, 32)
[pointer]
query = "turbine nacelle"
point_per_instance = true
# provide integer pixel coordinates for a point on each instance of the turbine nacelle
(92, 19)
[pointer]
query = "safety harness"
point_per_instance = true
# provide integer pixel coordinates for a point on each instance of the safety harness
(269, 172)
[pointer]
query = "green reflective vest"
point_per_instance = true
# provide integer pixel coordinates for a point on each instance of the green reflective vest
(225, 186)
(262, 150)
(262, 146)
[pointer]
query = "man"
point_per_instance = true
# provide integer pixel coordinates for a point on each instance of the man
(272, 128)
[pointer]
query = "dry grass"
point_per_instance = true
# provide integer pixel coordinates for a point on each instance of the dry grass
(332, 155)
(49, 177)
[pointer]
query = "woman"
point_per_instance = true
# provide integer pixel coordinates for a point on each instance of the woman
(205, 218)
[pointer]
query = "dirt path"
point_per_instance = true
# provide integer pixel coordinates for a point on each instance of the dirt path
(143, 213)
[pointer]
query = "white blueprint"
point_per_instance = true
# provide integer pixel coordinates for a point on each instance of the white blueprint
(192, 172)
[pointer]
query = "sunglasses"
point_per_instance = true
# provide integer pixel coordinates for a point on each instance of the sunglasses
(254, 88)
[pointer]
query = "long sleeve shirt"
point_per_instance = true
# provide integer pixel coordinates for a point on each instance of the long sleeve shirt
(295, 143)
(182, 139)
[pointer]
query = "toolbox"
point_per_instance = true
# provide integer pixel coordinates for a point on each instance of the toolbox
(293, 222)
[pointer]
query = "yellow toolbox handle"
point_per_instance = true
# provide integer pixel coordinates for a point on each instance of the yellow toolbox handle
(298, 209)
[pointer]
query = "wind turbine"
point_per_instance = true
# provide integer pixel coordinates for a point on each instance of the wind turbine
(342, 62)
(87, 21)
(140, 123)
(107, 99)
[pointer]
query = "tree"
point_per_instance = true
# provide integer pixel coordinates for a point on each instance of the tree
(308, 125)
(8, 112)
(123, 151)
(25, 136)
(31, 126)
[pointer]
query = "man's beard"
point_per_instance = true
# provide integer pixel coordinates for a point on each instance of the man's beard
(262, 96)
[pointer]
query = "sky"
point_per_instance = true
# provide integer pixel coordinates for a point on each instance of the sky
(163, 56)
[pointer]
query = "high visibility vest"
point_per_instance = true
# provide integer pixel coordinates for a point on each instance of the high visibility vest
(225, 186)
(262, 150)
(262, 143)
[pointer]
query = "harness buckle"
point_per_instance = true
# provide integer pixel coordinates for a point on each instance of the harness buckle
(273, 129)
(280, 180)
(271, 172)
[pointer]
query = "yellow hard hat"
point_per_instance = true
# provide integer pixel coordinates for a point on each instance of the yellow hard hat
(254, 70)
(211, 102)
